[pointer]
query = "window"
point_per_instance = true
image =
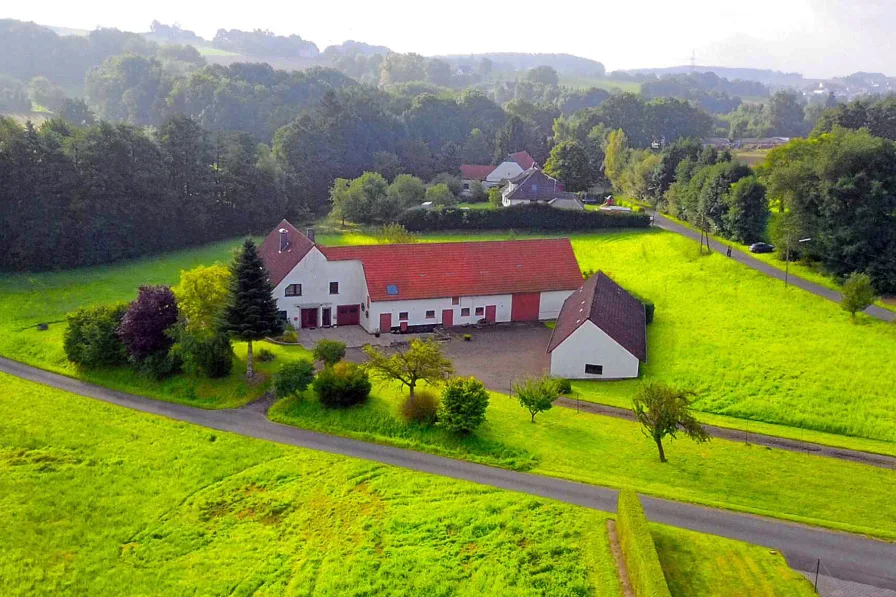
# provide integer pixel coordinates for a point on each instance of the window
(362, 307)
(283, 315)
(294, 290)
(455, 300)
(403, 316)
(391, 289)
(465, 312)
(430, 315)
(594, 369)
(480, 311)
(466, 186)
(334, 287)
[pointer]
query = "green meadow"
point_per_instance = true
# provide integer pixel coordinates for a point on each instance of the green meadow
(99, 500)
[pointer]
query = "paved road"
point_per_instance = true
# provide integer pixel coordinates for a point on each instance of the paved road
(849, 557)
(832, 295)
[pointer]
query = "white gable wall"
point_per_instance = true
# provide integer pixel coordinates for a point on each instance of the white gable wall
(504, 171)
(315, 273)
(591, 345)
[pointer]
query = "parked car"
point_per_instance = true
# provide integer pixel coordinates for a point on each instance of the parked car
(761, 248)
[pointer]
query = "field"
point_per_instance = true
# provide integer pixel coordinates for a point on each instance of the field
(144, 505)
(583, 82)
(697, 565)
(752, 157)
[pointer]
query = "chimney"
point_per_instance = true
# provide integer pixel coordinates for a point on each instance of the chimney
(284, 240)
(309, 232)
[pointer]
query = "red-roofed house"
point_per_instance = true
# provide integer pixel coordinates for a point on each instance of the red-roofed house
(390, 287)
(601, 333)
(492, 176)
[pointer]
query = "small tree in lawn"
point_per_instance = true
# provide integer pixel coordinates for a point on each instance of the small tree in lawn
(329, 352)
(664, 411)
(251, 311)
(464, 402)
(422, 361)
(537, 395)
(858, 294)
(293, 378)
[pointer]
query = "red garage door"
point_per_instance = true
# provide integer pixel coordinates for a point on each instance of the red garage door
(525, 306)
(348, 315)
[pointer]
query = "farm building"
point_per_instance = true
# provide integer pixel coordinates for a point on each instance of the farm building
(386, 288)
(534, 186)
(601, 333)
(492, 176)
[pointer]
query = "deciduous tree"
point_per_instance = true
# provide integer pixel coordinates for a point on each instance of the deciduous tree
(858, 294)
(423, 360)
(537, 395)
(664, 412)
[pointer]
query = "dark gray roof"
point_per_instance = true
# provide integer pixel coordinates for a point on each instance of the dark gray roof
(535, 185)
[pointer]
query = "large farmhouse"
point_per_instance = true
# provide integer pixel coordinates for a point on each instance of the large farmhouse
(386, 288)
(601, 333)
(492, 176)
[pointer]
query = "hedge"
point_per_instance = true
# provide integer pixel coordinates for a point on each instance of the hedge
(638, 548)
(518, 217)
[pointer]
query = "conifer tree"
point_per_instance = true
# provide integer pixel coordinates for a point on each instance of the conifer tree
(251, 312)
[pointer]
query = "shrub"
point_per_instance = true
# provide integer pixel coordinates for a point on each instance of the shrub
(203, 354)
(519, 217)
(293, 378)
(342, 385)
(91, 338)
(144, 326)
(329, 352)
(264, 355)
(858, 294)
(464, 402)
(392, 234)
(564, 386)
(290, 337)
(159, 364)
(422, 408)
(638, 548)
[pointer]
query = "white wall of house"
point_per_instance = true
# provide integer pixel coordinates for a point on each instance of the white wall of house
(416, 310)
(591, 345)
(315, 273)
(551, 303)
(504, 171)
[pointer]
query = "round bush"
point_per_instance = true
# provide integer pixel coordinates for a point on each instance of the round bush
(329, 352)
(342, 385)
(421, 408)
(564, 386)
(464, 402)
(264, 355)
(91, 338)
(293, 378)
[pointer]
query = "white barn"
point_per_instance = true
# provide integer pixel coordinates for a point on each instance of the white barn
(385, 288)
(601, 333)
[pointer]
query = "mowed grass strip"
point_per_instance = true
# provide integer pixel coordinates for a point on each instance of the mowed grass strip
(100, 500)
(698, 565)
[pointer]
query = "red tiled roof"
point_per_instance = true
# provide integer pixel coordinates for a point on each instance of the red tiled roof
(475, 172)
(523, 158)
(280, 263)
(601, 300)
(436, 270)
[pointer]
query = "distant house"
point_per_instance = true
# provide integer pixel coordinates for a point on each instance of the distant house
(601, 333)
(386, 288)
(493, 176)
(534, 186)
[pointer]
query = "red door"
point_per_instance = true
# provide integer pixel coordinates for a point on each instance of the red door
(491, 313)
(448, 318)
(309, 318)
(525, 306)
(385, 322)
(348, 315)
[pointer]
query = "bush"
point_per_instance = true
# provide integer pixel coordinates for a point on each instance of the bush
(519, 217)
(159, 365)
(91, 338)
(537, 395)
(144, 326)
(342, 385)
(289, 336)
(638, 548)
(395, 234)
(264, 355)
(422, 408)
(329, 352)
(564, 386)
(464, 402)
(293, 378)
(206, 355)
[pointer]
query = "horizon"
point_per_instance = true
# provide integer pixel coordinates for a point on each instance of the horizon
(798, 40)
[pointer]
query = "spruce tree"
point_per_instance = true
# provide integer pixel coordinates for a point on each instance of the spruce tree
(251, 312)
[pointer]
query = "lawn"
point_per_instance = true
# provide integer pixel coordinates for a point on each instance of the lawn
(611, 85)
(99, 500)
(698, 565)
(613, 452)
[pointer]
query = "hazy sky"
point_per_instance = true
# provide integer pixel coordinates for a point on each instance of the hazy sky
(815, 37)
